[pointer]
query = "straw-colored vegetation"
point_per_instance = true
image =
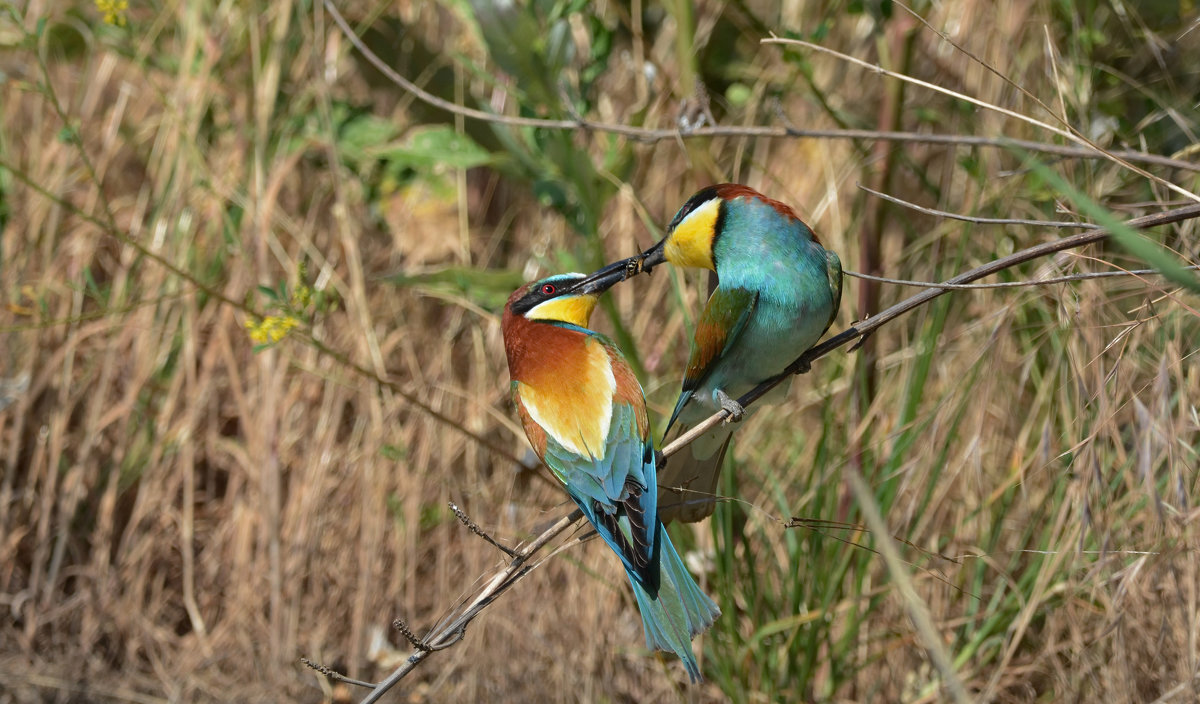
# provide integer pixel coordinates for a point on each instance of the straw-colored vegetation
(220, 229)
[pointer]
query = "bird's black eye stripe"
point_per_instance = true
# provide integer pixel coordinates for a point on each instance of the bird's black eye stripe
(538, 294)
(701, 197)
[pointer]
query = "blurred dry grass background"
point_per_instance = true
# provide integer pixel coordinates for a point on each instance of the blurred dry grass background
(182, 517)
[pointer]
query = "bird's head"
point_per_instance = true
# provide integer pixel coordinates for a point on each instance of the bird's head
(565, 298)
(693, 233)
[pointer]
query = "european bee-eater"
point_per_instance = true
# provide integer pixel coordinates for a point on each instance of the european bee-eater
(778, 292)
(584, 413)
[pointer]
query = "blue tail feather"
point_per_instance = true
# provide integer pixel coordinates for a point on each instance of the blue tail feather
(679, 612)
(618, 494)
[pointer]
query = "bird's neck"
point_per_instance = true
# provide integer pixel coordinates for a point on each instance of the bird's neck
(537, 347)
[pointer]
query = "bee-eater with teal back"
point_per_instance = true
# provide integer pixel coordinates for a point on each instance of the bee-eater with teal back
(584, 413)
(777, 293)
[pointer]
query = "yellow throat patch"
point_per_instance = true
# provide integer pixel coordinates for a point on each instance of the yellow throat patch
(690, 243)
(576, 310)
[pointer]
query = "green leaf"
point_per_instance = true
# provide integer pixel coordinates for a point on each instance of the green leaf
(93, 288)
(360, 134)
(428, 147)
(487, 288)
(432, 515)
(395, 507)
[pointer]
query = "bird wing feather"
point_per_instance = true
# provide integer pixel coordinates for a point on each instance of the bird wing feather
(724, 317)
(617, 491)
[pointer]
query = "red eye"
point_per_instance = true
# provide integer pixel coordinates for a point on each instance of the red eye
(548, 289)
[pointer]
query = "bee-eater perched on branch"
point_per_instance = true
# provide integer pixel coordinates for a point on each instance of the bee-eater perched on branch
(584, 413)
(778, 292)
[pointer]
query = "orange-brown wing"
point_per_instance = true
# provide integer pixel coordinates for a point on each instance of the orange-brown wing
(533, 431)
(628, 389)
(722, 321)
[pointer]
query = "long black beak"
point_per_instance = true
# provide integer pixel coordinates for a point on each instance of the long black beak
(652, 257)
(603, 279)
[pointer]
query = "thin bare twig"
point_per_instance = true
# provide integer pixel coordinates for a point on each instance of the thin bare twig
(409, 636)
(1016, 284)
(474, 528)
(997, 221)
(420, 644)
(651, 135)
(824, 525)
(1069, 134)
(1061, 115)
(977, 220)
(409, 397)
(333, 674)
(497, 585)
(824, 528)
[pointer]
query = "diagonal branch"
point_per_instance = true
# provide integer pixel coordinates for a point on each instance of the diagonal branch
(521, 565)
(1017, 284)
(868, 326)
(499, 583)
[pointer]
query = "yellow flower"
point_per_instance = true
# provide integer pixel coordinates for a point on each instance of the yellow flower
(271, 329)
(113, 11)
(301, 297)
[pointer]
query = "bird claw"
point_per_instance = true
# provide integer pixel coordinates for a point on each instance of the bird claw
(862, 340)
(730, 406)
